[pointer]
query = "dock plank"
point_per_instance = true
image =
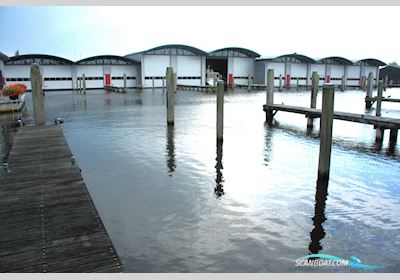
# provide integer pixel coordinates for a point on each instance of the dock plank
(48, 220)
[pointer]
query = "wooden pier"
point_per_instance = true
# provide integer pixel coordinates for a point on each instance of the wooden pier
(115, 89)
(48, 221)
(316, 113)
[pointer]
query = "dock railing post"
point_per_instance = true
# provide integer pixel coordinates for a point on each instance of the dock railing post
(249, 83)
(270, 96)
(326, 125)
(170, 96)
(379, 130)
(368, 97)
(220, 111)
(280, 82)
(314, 93)
(37, 95)
(125, 86)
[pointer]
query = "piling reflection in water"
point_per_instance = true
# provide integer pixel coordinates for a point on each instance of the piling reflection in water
(268, 144)
(319, 218)
(219, 180)
(170, 150)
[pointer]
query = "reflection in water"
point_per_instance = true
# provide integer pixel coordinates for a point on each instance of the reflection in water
(170, 150)
(268, 144)
(108, 101)
(319, 217)
(219, 187)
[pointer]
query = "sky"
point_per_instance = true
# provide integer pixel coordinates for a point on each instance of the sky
(78, 32)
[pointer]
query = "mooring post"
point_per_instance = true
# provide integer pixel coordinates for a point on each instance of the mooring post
(84, 83)
(220, 111)
(270, 96)
(170, 95)
(343, 86)
(249, 83)
(297, 84)
(163, 84)
(379, 133)
(37, 95)
(175, 83)
(280, 82)
(393, 138)
(314, 93)
(326, 124)
(368, 97)
(386, 82)
(125, 86)
(152, 84)
(80, 84)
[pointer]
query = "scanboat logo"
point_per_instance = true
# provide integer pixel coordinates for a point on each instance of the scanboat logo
(329, 260)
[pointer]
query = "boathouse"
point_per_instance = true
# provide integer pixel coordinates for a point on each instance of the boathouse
(392, 72)
(235, 65)
(189, 64)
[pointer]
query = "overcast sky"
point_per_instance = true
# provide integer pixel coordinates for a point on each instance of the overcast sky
(79, 32)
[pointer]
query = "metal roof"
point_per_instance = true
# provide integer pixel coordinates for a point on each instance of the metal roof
(42, 59)
(3, 57)
(175, 49)
(370, 62)
(335, 60)
(235, 52)
(294, 57)
(106, 60)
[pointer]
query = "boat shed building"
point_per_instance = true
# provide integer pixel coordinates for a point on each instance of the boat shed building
(392, 72)
(188, 63)
(235, 65)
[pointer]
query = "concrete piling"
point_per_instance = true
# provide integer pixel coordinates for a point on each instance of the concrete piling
(220, 111)
(125, 84)
(170, 96)
(326, 125)
(368, 97)
(37, 95)
(280, 82)
(314, 93)
(249, 83)
(270, 95)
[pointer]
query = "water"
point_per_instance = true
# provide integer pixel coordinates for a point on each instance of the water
(174, 201)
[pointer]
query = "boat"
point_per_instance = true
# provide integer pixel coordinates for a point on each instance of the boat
(7, 105)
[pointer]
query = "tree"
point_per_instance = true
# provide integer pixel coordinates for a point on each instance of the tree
(17, 53)
(394, 63)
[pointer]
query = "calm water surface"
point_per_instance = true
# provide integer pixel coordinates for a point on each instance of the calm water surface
(174, 201)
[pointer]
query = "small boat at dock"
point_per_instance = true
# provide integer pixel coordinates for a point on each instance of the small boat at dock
(8, 106)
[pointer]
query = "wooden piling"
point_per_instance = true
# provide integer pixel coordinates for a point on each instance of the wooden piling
(297, 84)
(326, 125)
(270, 95)
(220, 111)
(175, 82)
(152, 84)
(385, 83)
(170, 96)
(343, 85)
(37, 95)
(163, 84)
(393, 138)
(125, 84)
(249, 83)
(379, 133)
(368, 97)
(280, 82)
(83, 83)
(314, 93)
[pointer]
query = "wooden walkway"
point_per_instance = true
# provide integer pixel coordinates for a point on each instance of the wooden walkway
(48, 221)
(359, 118)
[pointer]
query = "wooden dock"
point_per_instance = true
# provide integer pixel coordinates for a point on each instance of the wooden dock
(316, 113)
(48, 221)
(116, 89)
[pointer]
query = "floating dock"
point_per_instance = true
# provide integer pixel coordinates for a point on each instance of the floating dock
(48, 221)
